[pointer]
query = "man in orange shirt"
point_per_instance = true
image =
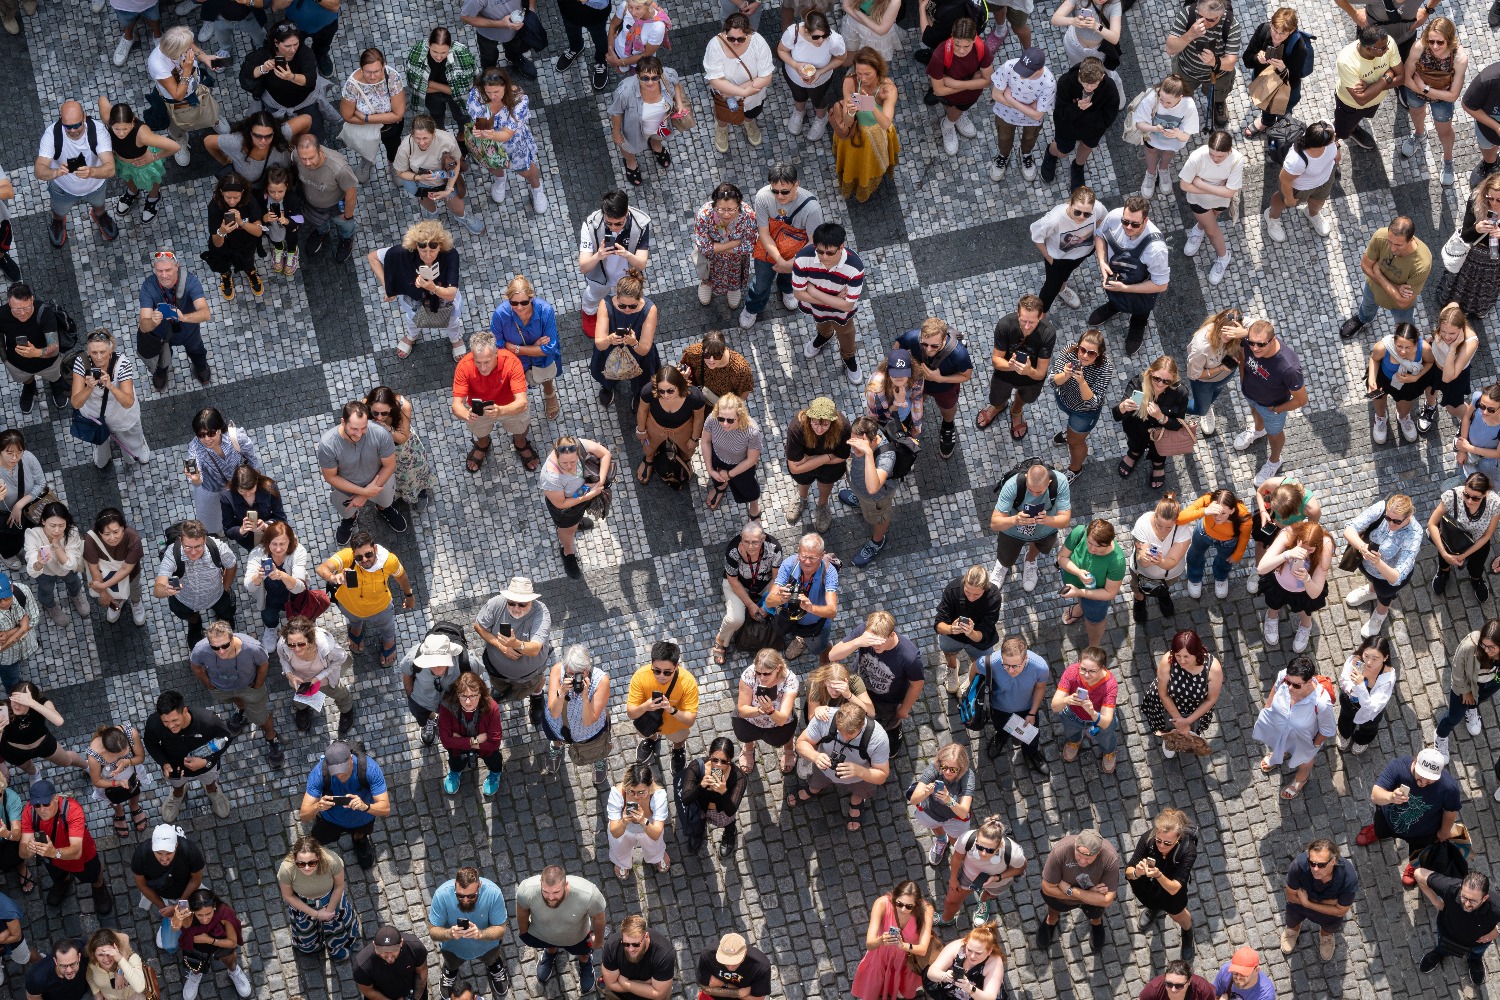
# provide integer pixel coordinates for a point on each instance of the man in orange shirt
(489, 388)
(663, 701)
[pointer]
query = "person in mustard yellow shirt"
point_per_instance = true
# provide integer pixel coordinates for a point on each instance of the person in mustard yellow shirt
(363, 573)
(1223, 527)
(663, 701)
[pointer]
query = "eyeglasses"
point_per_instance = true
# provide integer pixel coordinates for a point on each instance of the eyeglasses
(306, 864)
(1164, 842)
(647, 79)
(1128, 224)
(1256, 345)
(220, 649)
(518, 303)
(429, 245)
(297, 645)
(781, 191)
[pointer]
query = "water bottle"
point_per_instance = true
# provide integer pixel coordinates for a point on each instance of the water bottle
(1494, 242)
(731, 103)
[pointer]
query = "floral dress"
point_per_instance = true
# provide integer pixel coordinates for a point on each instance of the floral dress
(519, 152)
(726, 271)
(414, 476)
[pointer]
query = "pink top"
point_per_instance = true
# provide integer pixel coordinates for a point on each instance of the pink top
(1102, 694)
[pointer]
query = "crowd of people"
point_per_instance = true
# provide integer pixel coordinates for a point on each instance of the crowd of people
(283, 189)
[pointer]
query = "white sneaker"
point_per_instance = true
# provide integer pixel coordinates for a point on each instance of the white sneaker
(1378, 430)
(796, 122)
(1274, 227)
(538, 201)
(950, 137)
(98, 6)
(1408, 428)
(137, 612)
(1341, 741)
(1471, 721)
(190, 985)
(950, 678)
(184, 155)
(1028, 166)
(855, 376)
(112, 615)
(1194, 240)
(1148, 185)
(1271, 630)
(1266, 471)
(810, 350)
(1372, 625)
(122, 50)
(705, 293)
(241, 981)
(499, 187)
(1069, 297)
(1497, 795)
(184, 7)
(1412, 143)
(1441, 746)
(789, 302)
(747, 319)
(1245, 438)
(1167, 751)
(1219, 269)
(1252, 582)
(1359, 595)
(1299, 640)
(1195, 590)
(998, 167)
(964, 126)
(1028, 575)
(206, 32)
(817, 129)
(1221, 589)
(998, 574)
(1209, 425)
(1321, 223)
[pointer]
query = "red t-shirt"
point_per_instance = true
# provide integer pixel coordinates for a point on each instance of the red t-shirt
(66, 826)
(502, 385)
(1102, 692)
(980, 57)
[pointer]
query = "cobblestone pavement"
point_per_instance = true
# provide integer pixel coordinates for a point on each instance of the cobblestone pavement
(941, 239)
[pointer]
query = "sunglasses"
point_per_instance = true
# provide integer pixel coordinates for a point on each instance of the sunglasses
(263, 136)
(904, 906)
(380, 414)
(205, 435)
(781, 191)
(297, 645)
(163, 255)
(306, 864)
(1394, 520)
(1320, 865)
(99, 338)
(220, 649)
(1476, 497)
(765, 673)
(816, 38)
(949, 768)
(647, 79)
(566, 449)
(663, 673)
(1159, 380)
(366, 557)
(1256, 345)
(986, 850)
(728, 420)
(518, 303)
(632, 945)
(1132, 225)
(1086, 352)
(1175, 986)
(466, 895)
(1489, 409)
(518, 604)
(666, 392)
(736, 39)
(74, 128)
(429, 245)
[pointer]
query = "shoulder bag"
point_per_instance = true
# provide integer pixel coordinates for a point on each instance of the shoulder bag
(32, 516)
(600, 505)
(88, 429)
(844, 121)
(621, 363)
(1168, 443)
(724, 113)
(1188, 742)
(1455, 537)
(1128, 131)
(1351, 558)
(1455, 252)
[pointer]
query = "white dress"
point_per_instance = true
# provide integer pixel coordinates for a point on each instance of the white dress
(857, 36)
(1287, 728)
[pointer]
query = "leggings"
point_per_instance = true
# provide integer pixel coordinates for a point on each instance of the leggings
(1058, 273)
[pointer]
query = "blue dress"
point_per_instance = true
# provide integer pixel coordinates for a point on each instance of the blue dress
(520, 149)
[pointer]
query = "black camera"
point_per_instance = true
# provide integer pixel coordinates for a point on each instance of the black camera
(836, 758)
(794, 609)
(764, 692)
(578, 684)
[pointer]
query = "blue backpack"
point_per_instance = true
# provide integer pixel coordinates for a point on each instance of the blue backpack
(974, 706)
(1304, 70)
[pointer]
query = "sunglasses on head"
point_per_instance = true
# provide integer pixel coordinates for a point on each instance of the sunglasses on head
(566, 449)
(163, 255)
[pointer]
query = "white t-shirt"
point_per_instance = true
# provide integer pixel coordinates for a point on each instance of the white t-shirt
(1156, 257)
(720, 64)
(1183, 115)
(72, 147)
(652, 32)
(652, 112)
(160, 66)
(1064, 236)
(1311, 169)
(615, 808)
(1145, 533)
(804, 51)
(1200, 166)
(1039, 91)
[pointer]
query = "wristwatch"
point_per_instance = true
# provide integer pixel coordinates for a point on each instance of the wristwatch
(1069, 890)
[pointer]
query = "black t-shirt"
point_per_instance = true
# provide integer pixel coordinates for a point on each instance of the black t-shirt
(797, 449)
(672, 421)
(167, 747)
(43, 981)
(1037, 344)
(1454, 922)
(659, 961)
(391, 979)
(754, 971)
(1483, 94)
(169, 880)
(887, 675)
(437, 72)
(37, 333)
(25, 730)
(249, 208)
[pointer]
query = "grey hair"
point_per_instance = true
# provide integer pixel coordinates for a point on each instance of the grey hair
(575, 659)
(481, 340)
(176, 41)
(1089, 840)
(752, 528)
(812, 540)
(1211, 8)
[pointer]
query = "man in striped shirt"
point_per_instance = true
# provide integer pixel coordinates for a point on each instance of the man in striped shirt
(827, 278)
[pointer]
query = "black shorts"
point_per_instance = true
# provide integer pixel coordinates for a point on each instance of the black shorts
(328, 834)
(1065, 138)
(1277, 597)
(745, 488)
(569, 517)
(1400, 393)
(745, 731)
(822, 474)
(1452, 394)
(16, 756)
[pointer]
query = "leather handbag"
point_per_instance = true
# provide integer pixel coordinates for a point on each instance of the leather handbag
(723, 112)
(1188, 742)
(433, 319)
(1182, 441)
(1352, 558)
(153, 983)
(843, 120)
(600, 505)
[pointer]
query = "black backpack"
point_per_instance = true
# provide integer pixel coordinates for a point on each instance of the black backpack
(903, 444)
(172, 539)
(357, 776)
(57, 138)
(862, 747)
(1018, 472)
(67, 327)
(671, 466)
(1282, 136)
(453, 633)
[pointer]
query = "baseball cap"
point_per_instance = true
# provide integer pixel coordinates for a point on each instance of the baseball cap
(387, 937)
(731, 949)
(822, 408)
(337, 755)
(164, 837)
(1429, 764)
(42, 792)
(6, 590)
(1245, 961)
(1031, 62)
(898, 363)
(435, 651)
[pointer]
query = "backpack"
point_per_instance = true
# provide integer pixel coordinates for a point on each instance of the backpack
(1305, 63)
(357, 776)
(454, 634)
(670, 467)
(172, 538)
(1282, 136)
(862, 748)
(1444, 858)
(1018, 473)
(903, 444)
(981, 43)
(67, 327)
(974, 706)
(57, 138)
(1326, 683)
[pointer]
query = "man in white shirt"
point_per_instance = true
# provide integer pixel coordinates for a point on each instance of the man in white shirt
(75, 158)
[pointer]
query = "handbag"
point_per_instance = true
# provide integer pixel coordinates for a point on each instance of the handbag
(621, 364)
(88, 430)
(843, 121)
(1128, 131)
(1188, 742)
(1455, 252)
(309, 604)
(591, 751)
(152, 990)
(1181, 441)
(1270, 93)
(532, 35)
(723, 112)
(670, 466)
(756, 635)
(433, 319)
(600, 505)
(1351, 558)
(683, 119)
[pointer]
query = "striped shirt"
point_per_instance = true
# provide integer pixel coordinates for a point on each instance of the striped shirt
(1098, 376)
(1223, 39)
(122, 370)
(845, 279)
(732, 445)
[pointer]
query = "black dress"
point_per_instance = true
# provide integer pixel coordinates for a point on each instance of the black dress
(1176, 864)
(1187, 691)
(238, 251)
(1477, 284)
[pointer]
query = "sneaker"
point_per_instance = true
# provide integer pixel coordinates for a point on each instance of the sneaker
(822, 519)
(1266, 471)
(566, 59)
(1481, 589)
(275, 755)
(539, 203)
(1245, 438)
(392, 517)
(705, 293)
(1322, 223)
(795, 507)
(1378, 430)
(57, 233)
(1341, 741)
(491, 784)
(1028, 166)
(1480, 172)
(1472, 721)
(344, 530)
(204, 375)
(1069, 297)
(1028, 575)
(797, 121)
(1098, 936)
(981, 914)
(122, 50)
(1045, 934)
(1447, 177)
(998, 167)
(257, 287)
(1476, 971)
(855, 375)
(226, 286)
(108, 228)
(190, 985)
(795, 648)
(184, 155)
(1271, 629)
(965, 127)
(747, 319)
(317, 242)
(546, 964)
(754, 137)
(868, 552)
(171, 807)
(112, 615)
(1373, 625)
(936, 851)
(789, 302)
(1359, 748)
(291, 263)
(950, 678)
(499, 188)
(206, 31)
(1362, 138)
(1219, 269)
(278, 260)
(600, 78)
(450, 782)
(1148, 184)
(473, 223)
(647, 750)
(12, 26)
(218, 802)
(429, 731)
(241, 981)
(1359, 595)
(1408, 428)
(1195, 590)
(1103, 314)
(58, 615)
(1412, 143)
(1289, 939)
(1221, 589)
(1351, 326)
(28, 397)
(1425, 416)
(1194, 241)
(950, 137)
(811, 349)
(947, 440)
(1274, 227)
(345, 251)
(1429, 962)
(1300, 638)
(81, 604)
(1252, 583)
(364, 853)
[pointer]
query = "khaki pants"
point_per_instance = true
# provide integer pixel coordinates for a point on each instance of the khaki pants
(845, 333)
(50, 375)
(516, 423)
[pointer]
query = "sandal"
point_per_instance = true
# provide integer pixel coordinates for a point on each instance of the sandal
(1254, 130)
(1265, 765)
(719, 653)
(663, 157)
(802, 795)
(788, 762)
(855, 812)
(28, 884)
(122, 826)
(715, 495)
(1018, 428)
(1158, 474)
(140, 820)
(633, 175)
(528, 456)
(665, 864)
(404, 346)
(747, 759)
(1291, 791)
(1127, 464)
(1495, 565)
(985, 417)
(476, 458)
(1073, 614)
(643, 472)
(622, 873)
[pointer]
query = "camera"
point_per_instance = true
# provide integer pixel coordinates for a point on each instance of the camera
(764, 692)
(836, 758)
(794, 609)
(578, 684)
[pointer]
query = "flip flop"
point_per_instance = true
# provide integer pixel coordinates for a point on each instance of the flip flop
(1018, 429)
(1069, 616)
(643, 472)
(28, 884)
(985, 417)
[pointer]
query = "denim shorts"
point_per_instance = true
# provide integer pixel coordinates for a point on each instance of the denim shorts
(1479, 137)
(63, 202)
(129, 17)
(1275, 422)
(1080, 421)
(1094, 612)
(1442, 111)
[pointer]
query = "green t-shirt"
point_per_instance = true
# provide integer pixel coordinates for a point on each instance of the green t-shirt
(1104, 568)
(1412, 269)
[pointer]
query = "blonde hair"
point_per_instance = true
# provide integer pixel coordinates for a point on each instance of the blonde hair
(976, 576)
(1284, 19)
(953, 753)
(1214, 326)
(932, 325)
(1400, 505)
(1171, 821)
(1476, 197)
(632, 284)
(219, 630)
(1453, 314)
(1148, 387)
(882, 623)
(427, 231)
(741, 413)
(1167, 508)
(176, 42)
(768, 658)
(520, 283)
(817, 684)
(1444, 27)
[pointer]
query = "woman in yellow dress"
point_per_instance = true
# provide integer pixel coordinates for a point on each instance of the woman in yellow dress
(869, 152)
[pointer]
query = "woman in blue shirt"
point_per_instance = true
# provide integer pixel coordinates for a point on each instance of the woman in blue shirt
(527, 325)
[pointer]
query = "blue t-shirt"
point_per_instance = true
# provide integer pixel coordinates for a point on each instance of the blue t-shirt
(153, 295)
(1422, 814)
(10, 910)
(372, 785)
(1341, 887)
(489, 911)
(1013, 694)
(956, 363)
(1006, 503)
(310, 16)
(824, 582)
(508, 329)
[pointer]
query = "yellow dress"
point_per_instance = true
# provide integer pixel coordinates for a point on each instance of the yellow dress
(863, 159)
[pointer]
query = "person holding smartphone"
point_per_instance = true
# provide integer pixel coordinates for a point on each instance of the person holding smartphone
(1085, 704)
(968, 621)
(899, 934)
(363, 573)
(469, 727)
(711, 790)
(663, 702)
(516, 627)
(1155, 401)
(346, 793)
(167, 868)
(53, 828)
(188, 745)
(870, 100)
(312, 661)
(75, 158)
(546, 924)
(28, 335)
(210, 931)
(943, 797)
(468, 920)
(1093, 562)
(173, 310)
(636, 815)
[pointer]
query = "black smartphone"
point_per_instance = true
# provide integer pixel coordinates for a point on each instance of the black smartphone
(479, 405)
(23, 342)
(1375, 393)
(280, 63)
(341, 800)
(764, 692)
(191, 466)
(174, 582)
(463, 923)
(1033, 510)
(504, 629)
(76, 163)
(610, 240)
(351, 577)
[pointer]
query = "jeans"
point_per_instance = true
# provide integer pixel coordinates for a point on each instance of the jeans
(321, 220)
(187, 337)
(1204, 394)
(47, 584)
(1456, 707)
(1368, 308)
(10, 674)
(322, 44)
(1074, 729)
(1197, 554)
(761, 283)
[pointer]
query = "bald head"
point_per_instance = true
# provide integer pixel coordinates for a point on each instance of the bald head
(71, 113)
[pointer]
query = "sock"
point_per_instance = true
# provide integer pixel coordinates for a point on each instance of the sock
(819, 341)
(1076, 173)
(852, 364)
